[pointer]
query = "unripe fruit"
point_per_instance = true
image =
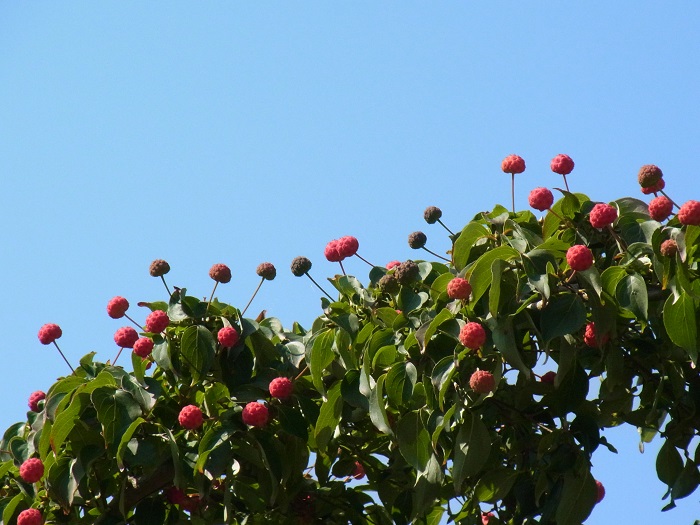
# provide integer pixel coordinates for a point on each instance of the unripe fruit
(602, 215)
(190, 417)
(482, 382)
(392, 264)
(689, 214)
(281, 388)
(255, 414)
(359, 471)
(157, 321)
(34, 399)
(389, 284)
(459, 288)
(579, 257)
(300, 265)
(562, 164)
(417, 240)
(660, 208)
(228, 336)
(332, 252)
(660, 185)
(143, 347)
(432, 214)
(649, 175)
(220, 273)
(590, 336)
(117, 307)
(126, 337)
(513, 164)
(348, 246)
(407, 272)
(267, 271)
(49, 333)
(158, 268)
(601, 491)
(472, 335)
(30, 517)
(540, 199)
(31, 470)
(668, 248)
(548, 377)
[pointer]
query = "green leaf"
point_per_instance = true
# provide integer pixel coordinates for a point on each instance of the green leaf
(126, 437)
(495, 484)
(65, 421)
(329, 417)
(198, 348)
(565, 314)
(504, 339)
(479, 275)
(631, 294)
(213, 439)
(116, 411)
(321, 356)
(471, 451)
(680, 323)
(611, 277)
(441, 377)
(400, 382)
(60, 482)
(578, 496)
(497, 268)
(414, 440)
(471, 233)
(687, 481)
(669, 463)
(11, 508)
(377, 407)
(444, 315)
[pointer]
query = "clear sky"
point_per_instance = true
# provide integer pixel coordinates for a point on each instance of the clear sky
(206, 132)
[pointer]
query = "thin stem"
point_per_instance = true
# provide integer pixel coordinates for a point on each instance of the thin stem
(669, 198)
(363, 259)
(341, 267)
(64, 357)
(443, 225)
(566, 184)
(216, 283)
(436, 255)
(118, 354)
(253, 297)
(130, 319)
(550, 210)
(306, 368)
(319, 287)
(512, 190)
(165, 284)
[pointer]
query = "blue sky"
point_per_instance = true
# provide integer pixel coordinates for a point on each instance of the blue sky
(242, 133)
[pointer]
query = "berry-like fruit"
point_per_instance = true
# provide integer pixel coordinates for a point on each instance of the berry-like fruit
(472, 335)
(486, 518)
(417, 240)
(649, 175)
(482, 382)
(548, 377)
(392, 264)
(602, 215)
(158, 268)
(255, 414)
(660, 208)
(407, 272)
(190, 417)
(540, 199)
(31, 470)
(389, 284)
(579, 257)
(267, 271)
(49, 333)
(359, 471)
(601, 491)
(300, 265)
(689, 214)
(34, 399)
(562, 164)
(332, 252)
(281, 388)
(157, 321)
(30, 517)
(590, 336)
(668, 248)
(432, 214)
(513, 164)
(348, 246)
(220, 273)
(117, 307)
(175, 496)
(143, 347)
(228, 336)
(459, 288)
(660, 185)
(126, 337)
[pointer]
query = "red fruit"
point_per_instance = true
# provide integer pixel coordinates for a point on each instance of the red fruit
(143, 347)
(190, 417)
(486, 517)
(31, 470)
(30, 517)
(548, 377)
(513, 164)
(175, 496)
(359, 471)
(602, 215)
(157, 321)
(266, 270)
(668, 248)
(348, 246)
(190, 503)
(649, 175)
(660, 185)
(281, 388)
(49, 333)
(332, 252)
(660, 208)
(472, 335)
(562, 164)
(220, 273)
(392, 264)
(117, 307)
(541, 199)
(482, 382)
(459, 288)
(255, 414)
(689, 214)
(227, 336)
(34, 399)
(601, 491)
(579, 257)
(126, 337)
(590, 336)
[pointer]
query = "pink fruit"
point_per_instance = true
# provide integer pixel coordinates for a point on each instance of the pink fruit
(227, 336)
(601, 491)
(117, 307)
(30, 517)
(143, 347)
(689, 214)
(267, 271)
(579, 257)
(49, 333)
(157, 321)
(660, 208)
(541, 199)
(482, 382)
(125, 337)
(190, 417)
(220, 273)
(590, 336)
(348, 246)
(332, 251)
(602, 215)
(34, 399)
(472, 335)
(660, 185)
(513, 164)
(31, 470)
(392, 264)
(281, 388)
(486, 517)
(668, 248)
(459, 288)
(548, 377)
(359, 471)
(562, 164)
(255, 414)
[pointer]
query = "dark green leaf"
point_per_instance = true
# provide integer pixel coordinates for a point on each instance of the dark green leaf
(680, 323)
(414, 440)
(565, 314)
(471, 451)
(198, 349)
(400, 382)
